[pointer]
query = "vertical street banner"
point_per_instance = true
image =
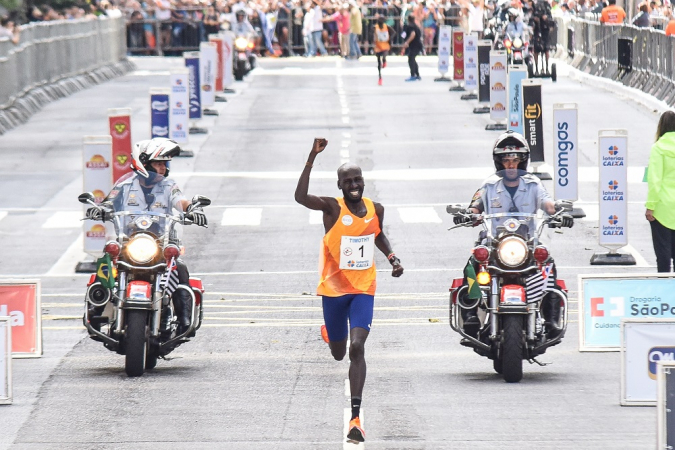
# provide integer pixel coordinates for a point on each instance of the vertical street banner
(444, 39)
(613, 188)
(218, 41)
(178, 105)
(119, 120)
(458, 54)
(5, 360)
(565, 151)
(97, 178)
(20, 300)
(228, 49)
(471, 62)
(498, 85)
(159, 112)
(532, 119)
(515, 77)
(484, 47)
(194, 88)
(208, 59)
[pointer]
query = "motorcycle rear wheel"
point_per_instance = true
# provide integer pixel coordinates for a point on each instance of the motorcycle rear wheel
(136, 343)
(512, 348)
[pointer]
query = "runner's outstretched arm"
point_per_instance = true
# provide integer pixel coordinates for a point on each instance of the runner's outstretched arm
(382, 243)
(301, 195)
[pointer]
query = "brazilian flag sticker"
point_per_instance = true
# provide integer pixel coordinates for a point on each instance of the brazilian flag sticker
(105, 272)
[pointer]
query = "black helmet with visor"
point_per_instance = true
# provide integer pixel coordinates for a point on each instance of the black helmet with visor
(511, 144)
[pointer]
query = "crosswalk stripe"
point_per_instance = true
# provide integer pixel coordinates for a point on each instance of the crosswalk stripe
(424, 214)
(3, 214)
(64, 219)
(242, 216)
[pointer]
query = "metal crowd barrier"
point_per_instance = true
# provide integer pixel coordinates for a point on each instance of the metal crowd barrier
(54, 59)
(641, 58)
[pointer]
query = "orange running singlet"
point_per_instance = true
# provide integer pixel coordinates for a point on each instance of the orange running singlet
(382, 39)
(347, 260)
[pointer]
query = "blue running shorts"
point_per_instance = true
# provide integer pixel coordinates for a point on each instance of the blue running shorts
(355, 308)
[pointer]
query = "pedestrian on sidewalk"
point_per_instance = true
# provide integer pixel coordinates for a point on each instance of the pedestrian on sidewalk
(353, 226)
(355, 30)
(413, 42)
(661, 192)
(382, 34)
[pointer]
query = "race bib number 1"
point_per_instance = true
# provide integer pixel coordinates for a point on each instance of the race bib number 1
(357, 252)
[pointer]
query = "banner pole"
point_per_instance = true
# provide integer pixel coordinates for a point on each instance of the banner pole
(457, 60)
(484, 47)
(470, 66)
(444, 39)
(498, 100)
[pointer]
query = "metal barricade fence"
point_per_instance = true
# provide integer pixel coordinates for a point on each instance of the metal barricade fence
(49, 52)
(643, 59)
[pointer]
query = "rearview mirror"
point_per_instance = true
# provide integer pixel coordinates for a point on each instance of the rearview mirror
(86, 197)
(200, 200)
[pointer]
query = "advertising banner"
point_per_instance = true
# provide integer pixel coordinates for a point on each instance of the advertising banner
(606, 299)
(20, 300)
(565, 149)
(665, 404)
(159, 112)
(643, 344)
(498, 85)
(228, 49)
(178, 103)
(444, 39)
(119, 120)
(458, 54)
(532, 119)
(613, 188)
(208, 59)
(194, 88)
(515, 77)
(471, 62)
(218, 41)
(5, 360)
(484, 47)
(97, 179)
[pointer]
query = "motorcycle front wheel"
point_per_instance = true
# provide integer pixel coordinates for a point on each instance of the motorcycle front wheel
(136, 343)
(512, 348)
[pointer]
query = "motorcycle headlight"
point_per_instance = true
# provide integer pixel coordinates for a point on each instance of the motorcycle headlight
(241, 43)
(142, 248)
(517, 42)
(512, 251)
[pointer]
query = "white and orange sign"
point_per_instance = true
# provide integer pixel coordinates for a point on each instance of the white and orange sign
(5, 360)
(98, 179)
(498, 97)
(120, 129)
(218, 40)
(20, 300)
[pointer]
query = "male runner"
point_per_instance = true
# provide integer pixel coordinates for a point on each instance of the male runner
(353, 227)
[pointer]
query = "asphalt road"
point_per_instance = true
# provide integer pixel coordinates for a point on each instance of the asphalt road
(258, 375)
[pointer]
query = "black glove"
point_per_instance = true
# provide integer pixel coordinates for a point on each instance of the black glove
(459, 219)
(197, 217)
(567, 221)
(563, 205)
(97, 214)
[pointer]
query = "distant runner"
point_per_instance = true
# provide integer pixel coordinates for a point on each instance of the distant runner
(382, 41)
(353, 227)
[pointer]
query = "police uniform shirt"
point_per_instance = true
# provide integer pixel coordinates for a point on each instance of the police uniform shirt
(128, 195)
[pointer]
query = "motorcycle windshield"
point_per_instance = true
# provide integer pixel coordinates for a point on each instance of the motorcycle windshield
(133, 222)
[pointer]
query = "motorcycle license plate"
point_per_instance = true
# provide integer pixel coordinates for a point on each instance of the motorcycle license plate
(242, 56)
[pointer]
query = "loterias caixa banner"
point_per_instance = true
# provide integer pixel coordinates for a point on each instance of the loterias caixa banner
(533, 123)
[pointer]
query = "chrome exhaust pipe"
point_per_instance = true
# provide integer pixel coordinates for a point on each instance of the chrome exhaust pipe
(98, 295)
(464, 301)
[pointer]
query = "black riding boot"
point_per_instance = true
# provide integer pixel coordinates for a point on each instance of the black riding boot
(182, 303)
(470, 319)
(551, 309)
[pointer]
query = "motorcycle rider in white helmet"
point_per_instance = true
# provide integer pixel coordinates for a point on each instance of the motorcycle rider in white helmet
(149, 188)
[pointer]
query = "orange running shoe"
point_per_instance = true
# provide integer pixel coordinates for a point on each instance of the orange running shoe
(379, 82)
(324, 334)
(356, 433)
(384, 64)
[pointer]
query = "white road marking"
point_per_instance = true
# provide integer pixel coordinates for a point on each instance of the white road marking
(346, 135)
(65, 266)
(348, 445)
(241, 216)
(64, 219)
(419, 215)
(345, 119)
(345, 144)
(315, 217)
(639, 259)
(345, 111)
(344, 153)
(3, 214)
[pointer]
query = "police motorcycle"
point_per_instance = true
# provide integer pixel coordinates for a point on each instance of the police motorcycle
(132, 314)
(244, 47)
(517, 49)
(517, 291)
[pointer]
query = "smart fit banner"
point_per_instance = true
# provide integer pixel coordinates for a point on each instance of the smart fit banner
(471, 61)
(613, 188)
(515, 77)
(228, 48)
(607, 299)
(159, 112)
(458, 54)
(533, 121)
(194, 89)
(178, 105)
(5, 360)
(97, 179)
(565, 150)
(444, 39)
(484, 47)
(218, 41)
(208, 60)
(498, 85)
(20, 300)
(645, 342)
(119, 120)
